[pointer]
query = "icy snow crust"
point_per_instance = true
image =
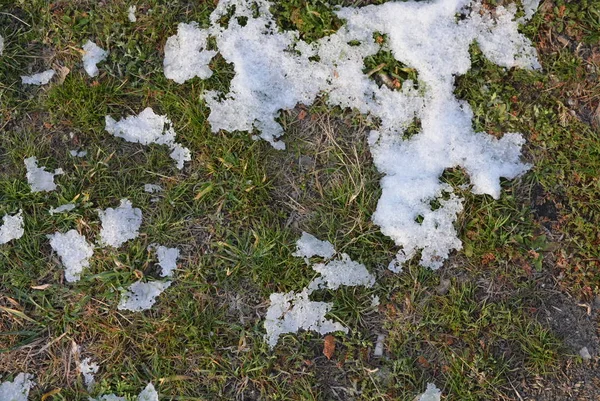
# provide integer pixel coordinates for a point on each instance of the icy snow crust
(12, 227)
(18, 389)
(147, 128)
(120, 225)
(93, 54)
(275, 70)
(74, 251)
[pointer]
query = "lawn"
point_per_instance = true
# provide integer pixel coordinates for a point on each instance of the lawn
(505, 318)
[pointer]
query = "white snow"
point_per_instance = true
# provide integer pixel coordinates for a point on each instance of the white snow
(12, 227)
(308, 246)
(147, 394)
(141, 296)
(88, 369)
(275, 70)
(291, 312)
(78, 153)
(530, 7)
(379, 345)
(119, 225)
(131, 13)
(432, 393)
(74, 251)
(62, 208)
(18, 389)
(108, 397)
(152, 188)
(167, 259)
(38, 178)
(38, 79)
(147, 128)
(185, 54)
(344, 272)
(92, 55)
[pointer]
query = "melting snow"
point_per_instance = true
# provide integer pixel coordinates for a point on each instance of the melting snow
(152, 188)
(147, 128)
(344, 272)
(290, 312)
(186, 56)
(12, 227)
(167, 259)
(74, 251)
(275, 70)
(63, 208)
(148, 394)
(38, 79)
(131, 14)
(88, 369)
(119, 225)
(18, 389)
(78, 153)
(431, 394)
(93, 54)
(308, 246)
(38, 178)
(141, 296)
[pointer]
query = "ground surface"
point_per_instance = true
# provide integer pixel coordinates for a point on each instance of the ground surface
(503, 320)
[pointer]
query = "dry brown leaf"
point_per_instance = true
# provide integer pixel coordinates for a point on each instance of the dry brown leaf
(329, 347)
(40, 287)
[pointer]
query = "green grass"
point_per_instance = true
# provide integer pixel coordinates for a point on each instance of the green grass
(238, 207)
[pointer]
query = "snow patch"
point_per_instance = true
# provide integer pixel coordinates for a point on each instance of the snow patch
(38, 79)
(345, 271)
(88, 369)
(119, 225)
(38, 178)
(74, 252)
(291, 312)
(62, 208)
(167, 259)
(308, 246)
(78, 153)
(18, 389)
(12, 227)
(147, 128)
(148, 394)
(93, 54)
(152, 188)
(432, 393)
(185, 54)
(131, 13)
(141, 296)
(275, 70)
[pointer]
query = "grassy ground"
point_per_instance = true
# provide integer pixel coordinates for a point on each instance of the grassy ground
(503, 320)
